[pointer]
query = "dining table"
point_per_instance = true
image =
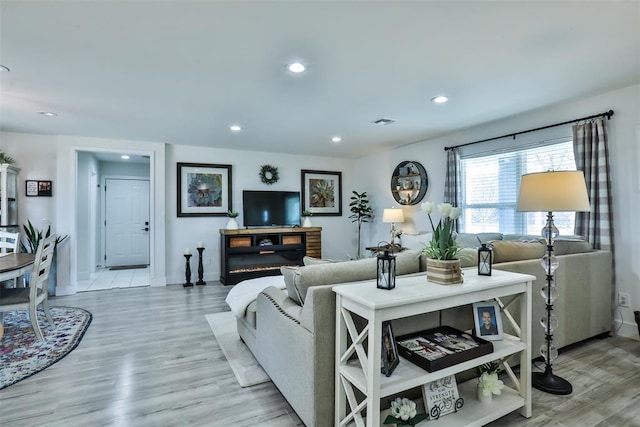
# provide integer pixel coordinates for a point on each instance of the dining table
(14, 265)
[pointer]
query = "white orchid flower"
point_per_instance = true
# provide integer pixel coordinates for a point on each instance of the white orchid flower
(490, 384)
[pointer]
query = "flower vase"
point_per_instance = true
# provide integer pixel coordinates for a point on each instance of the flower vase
(481, 397)
(232, 224)
(306, 221)
(444, 272)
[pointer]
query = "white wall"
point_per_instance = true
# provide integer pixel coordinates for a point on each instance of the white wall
(374, 174)
(338, 234)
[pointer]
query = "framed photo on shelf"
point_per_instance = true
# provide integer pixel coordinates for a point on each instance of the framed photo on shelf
(390, 357)
(204, 189)
(322, 192)
(39, 188)
(487, 320)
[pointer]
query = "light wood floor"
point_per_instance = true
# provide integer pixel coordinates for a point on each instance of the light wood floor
(149, 359)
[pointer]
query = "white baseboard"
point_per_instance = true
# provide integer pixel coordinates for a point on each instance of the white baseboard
(626, 329)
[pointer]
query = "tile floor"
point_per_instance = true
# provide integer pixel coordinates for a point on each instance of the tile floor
(104, 278)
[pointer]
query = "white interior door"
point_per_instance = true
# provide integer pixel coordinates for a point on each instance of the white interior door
(127, 222)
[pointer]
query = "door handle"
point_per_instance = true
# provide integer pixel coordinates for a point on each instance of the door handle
(145, 229)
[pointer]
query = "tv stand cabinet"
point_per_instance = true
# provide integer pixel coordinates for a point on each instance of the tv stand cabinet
(255, 252)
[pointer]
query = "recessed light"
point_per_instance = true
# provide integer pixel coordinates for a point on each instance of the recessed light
(296, 67)
(336, 139)
(235, 128)
(440, 99)
(3, 68)
(47, 113)
(124, 157)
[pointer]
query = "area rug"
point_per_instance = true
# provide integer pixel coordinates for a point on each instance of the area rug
(22, 355)
(245, 367)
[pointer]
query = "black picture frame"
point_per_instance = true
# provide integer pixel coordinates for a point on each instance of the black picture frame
(321, 192)
(390, 357)
(494, 332)
(204, 189)
(37, 188)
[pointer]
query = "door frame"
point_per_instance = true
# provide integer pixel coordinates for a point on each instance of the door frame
(103, 212)
(155, 279)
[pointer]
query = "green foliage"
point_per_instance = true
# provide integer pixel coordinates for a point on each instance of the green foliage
(409, 423)
(360, 211)
(232, 214)
(6, 159)
(306, 213)
(33, 237)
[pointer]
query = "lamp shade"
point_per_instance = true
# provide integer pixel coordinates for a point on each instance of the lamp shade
(393, 215)
(554, 191)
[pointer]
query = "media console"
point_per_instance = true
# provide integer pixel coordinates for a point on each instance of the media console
(255, 252)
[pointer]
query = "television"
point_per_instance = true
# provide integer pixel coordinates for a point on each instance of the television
(270, 208)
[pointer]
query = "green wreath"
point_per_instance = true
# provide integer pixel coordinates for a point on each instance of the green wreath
(269, 174)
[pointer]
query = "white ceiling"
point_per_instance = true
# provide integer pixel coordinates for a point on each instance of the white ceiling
(181, 72)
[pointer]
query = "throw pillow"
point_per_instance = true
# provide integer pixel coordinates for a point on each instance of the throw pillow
(513, 250)
(415, 242)
(289, 273)
(309, 260)
(470, 240)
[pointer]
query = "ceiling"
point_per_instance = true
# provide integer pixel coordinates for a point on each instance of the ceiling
(181, 72)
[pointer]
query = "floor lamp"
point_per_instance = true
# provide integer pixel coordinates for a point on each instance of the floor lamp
(554, 191)
(393, 216)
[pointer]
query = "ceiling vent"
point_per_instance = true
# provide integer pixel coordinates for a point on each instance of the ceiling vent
(383, 121)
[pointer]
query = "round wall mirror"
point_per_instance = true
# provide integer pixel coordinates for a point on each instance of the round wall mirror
(409, 183)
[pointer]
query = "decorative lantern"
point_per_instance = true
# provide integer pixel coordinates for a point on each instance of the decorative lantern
(485, 259)
(386, 277)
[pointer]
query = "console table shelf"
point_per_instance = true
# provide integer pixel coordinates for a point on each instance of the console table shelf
(254, 252)
(413, 295)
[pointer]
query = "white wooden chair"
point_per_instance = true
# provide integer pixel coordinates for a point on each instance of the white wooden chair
(36, 294)
(9, 242)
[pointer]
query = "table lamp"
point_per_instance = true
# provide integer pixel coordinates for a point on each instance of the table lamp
(553, 191)
(393, 216)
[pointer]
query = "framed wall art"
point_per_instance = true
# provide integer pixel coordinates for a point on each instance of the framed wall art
(39, 188)
(322, 192)
(204, 189)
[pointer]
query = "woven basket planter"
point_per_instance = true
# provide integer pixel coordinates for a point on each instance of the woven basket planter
(444, 272)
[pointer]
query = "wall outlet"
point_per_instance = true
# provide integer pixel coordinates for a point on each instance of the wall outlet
(623, 299)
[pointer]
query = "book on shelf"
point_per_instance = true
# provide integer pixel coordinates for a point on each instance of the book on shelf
(441, 347)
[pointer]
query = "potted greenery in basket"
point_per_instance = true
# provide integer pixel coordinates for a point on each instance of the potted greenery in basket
(232, 224)
(306, 218)
(443, 265)
(360, 211)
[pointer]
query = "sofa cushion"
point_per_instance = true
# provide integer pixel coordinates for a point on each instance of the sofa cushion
(415, 242)
(288, 273)
(514, 250)
(470, 240)
(348, 271)
(468, 257)
(566, 246)
(309, 260)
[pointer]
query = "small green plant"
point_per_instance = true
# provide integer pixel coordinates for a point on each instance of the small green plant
(6, 159)
(33, 237)
(360, 211)
(232, 214)
(307, 213)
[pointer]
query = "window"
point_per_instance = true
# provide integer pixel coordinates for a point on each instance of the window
(491, 183)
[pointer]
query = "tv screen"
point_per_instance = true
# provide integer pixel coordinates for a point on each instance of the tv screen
(270, 208)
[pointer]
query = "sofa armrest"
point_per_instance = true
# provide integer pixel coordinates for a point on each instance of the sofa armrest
(281, 302)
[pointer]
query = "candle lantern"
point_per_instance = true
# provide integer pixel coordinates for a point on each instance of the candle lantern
(386, 276)
(485, 259)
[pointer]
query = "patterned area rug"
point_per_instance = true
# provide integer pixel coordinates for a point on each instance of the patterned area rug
(22, 355)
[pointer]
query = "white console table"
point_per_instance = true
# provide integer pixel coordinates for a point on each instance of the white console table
(414, 295)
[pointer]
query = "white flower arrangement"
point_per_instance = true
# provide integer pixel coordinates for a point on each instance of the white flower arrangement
(404, 413)
(489, 384)
(442, 245)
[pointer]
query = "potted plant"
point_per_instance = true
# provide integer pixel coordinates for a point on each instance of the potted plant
(404, 413)
(488, 382)
(443, 265)
(360, 211)
(306, 218)
(30, 245)
(232, 224)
